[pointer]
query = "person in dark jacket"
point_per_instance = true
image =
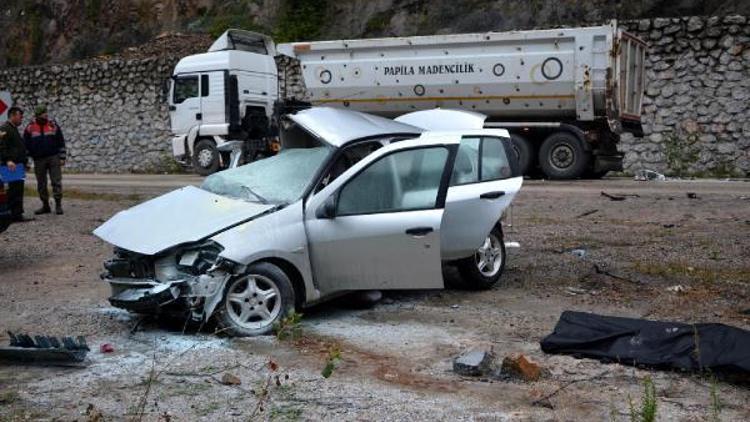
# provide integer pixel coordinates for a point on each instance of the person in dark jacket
(46, 145)
(13, 153)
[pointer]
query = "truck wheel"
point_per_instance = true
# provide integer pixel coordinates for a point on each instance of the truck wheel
(206, 157)
(524, 151)
(562, 156)
(483, 269)
(255, 302)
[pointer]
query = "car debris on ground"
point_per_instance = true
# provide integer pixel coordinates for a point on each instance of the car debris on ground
(587, 213)
(44, 349)
(677, 288)
(613, 197)
(648, 176)
(473, 363)
(106, 348)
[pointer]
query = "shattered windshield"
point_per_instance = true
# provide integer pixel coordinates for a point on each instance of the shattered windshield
(278, 179)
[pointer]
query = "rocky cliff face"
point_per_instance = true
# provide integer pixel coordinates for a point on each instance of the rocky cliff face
(40, 31)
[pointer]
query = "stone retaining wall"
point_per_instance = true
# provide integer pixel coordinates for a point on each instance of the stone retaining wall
(696, 110)
(112, 112)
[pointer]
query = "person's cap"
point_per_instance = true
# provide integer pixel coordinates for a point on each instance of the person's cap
(40, 109)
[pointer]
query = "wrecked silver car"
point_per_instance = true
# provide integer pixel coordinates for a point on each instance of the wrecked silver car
(352, 202)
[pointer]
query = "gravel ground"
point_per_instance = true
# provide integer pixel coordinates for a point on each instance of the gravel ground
(396, 357)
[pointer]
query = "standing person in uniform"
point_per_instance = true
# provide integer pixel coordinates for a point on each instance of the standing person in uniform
(46, 145)
(13, 153)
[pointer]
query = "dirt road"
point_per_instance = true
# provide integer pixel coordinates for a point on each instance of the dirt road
(396, 357)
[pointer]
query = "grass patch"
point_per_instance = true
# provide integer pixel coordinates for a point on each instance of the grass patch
(288, 328)
(208, 409)
(301, 20)
(379, 22)
(285, 413)
(646, 412)
(185, 390)
(670, 270)
(30, 192)
(9, 397)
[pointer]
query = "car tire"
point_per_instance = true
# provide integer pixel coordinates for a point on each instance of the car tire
(206, 157)
(562, 156)
(265, 288)
(476, 277)
(525, 152)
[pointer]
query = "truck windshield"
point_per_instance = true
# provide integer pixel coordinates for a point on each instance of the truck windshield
(280, 179)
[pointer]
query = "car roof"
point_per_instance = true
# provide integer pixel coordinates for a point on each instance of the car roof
(444, 119)
(339, 127)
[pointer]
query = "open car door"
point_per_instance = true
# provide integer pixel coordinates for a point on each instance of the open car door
(377, 226)
(484, 181)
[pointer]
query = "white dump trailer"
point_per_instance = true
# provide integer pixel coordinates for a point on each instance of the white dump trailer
(566, 95)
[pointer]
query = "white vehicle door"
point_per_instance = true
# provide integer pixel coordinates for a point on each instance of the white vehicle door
(377, 226)
(483, 184)
(213, 101)
(185, 108)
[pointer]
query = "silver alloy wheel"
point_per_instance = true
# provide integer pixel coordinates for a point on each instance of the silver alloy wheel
(205, 157)
(562, 157)
(253, 301)
(489, 256)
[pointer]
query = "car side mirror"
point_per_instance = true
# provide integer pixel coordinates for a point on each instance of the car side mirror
(327, 210)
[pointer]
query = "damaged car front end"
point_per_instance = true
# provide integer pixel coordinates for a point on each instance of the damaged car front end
(188, 278)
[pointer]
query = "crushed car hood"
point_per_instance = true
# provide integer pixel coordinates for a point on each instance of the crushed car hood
(338, 127)
(185, 215)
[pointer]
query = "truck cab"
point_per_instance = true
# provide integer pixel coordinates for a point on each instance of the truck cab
(226, 94)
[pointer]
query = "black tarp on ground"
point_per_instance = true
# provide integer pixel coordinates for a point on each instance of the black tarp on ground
(721, 349)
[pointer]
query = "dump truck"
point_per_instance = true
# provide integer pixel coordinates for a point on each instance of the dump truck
(566, 95)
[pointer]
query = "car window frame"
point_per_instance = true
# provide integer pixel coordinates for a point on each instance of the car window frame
(442, 187)
(506, 143)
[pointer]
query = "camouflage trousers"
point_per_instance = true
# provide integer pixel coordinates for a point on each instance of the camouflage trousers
(42, 167)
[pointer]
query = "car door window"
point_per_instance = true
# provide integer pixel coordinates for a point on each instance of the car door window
(495, 164)
(185, 87)
(401, 181)
(350, 156)
(466, 168)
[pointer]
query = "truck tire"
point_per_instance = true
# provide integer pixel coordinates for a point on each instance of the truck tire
(562, 156)
(525, 152)
(206, 157)
(483, 269)
(256, 301)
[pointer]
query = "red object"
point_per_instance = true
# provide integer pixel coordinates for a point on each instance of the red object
(3, 106)
(106, 348)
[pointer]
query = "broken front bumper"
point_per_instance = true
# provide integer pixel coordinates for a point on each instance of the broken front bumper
(143, 295)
